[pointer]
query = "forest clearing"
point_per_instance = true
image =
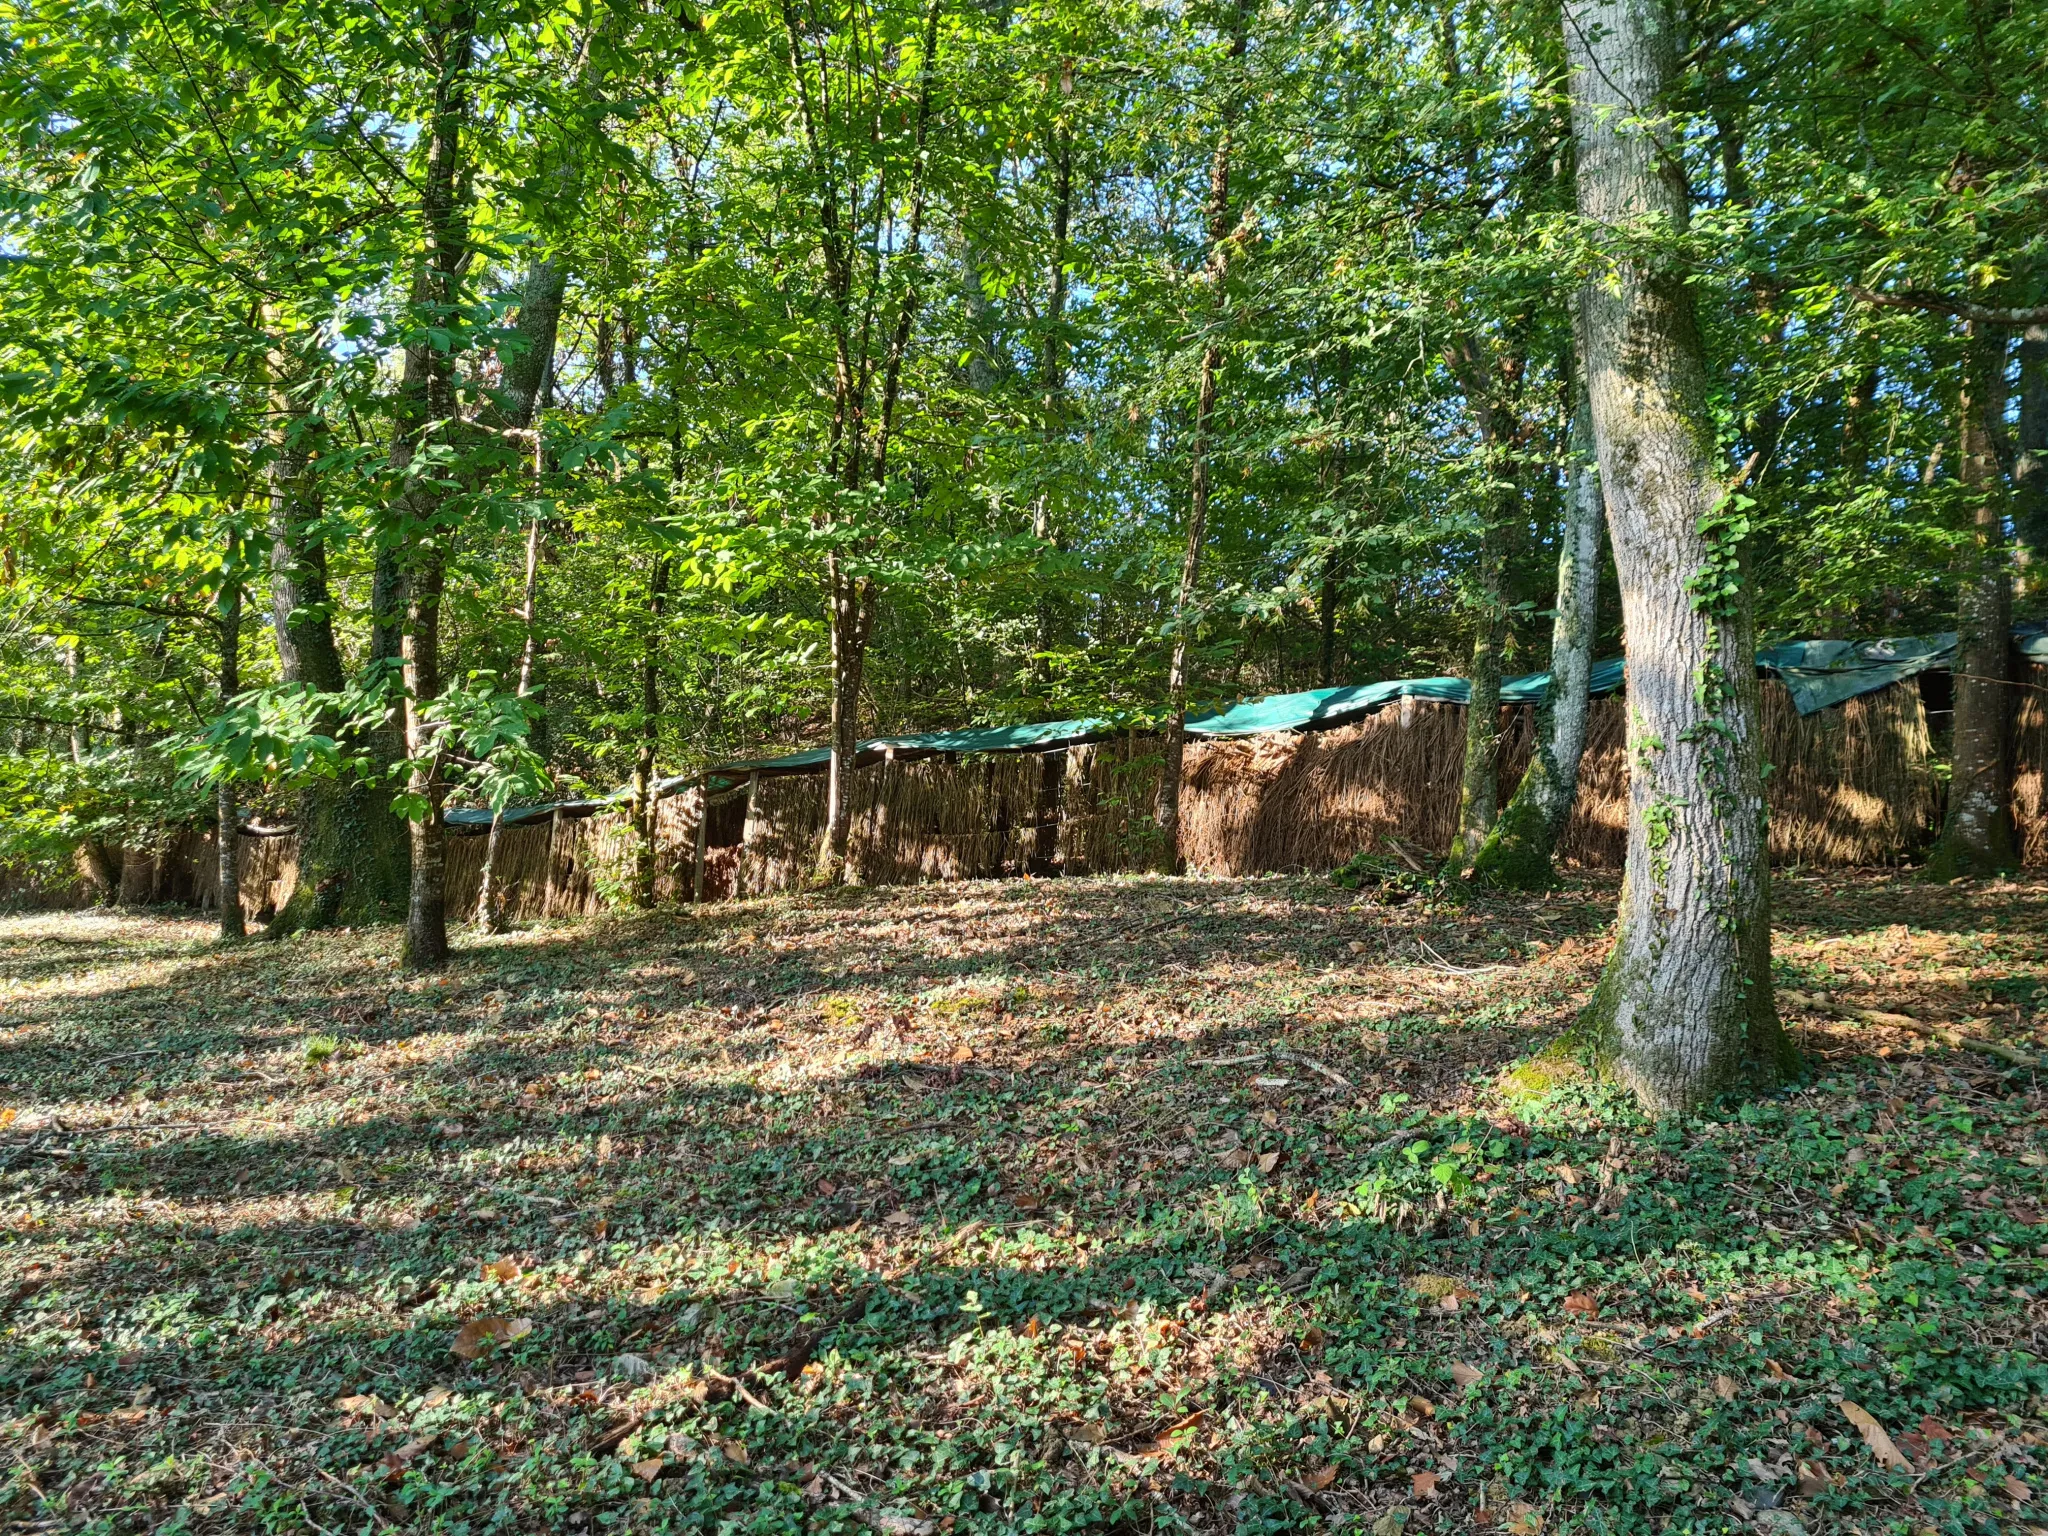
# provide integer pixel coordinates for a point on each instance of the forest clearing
(1023, 766)
(1135, 1204)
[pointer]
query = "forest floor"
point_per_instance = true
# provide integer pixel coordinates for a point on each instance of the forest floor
(1043, 1206)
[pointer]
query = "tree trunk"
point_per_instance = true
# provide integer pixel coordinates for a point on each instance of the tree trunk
(852, 615)
(1217, 269)
(1479, 787)
(1977, 838)
(527, 374)
(650, 739)
(81, 734)
(1684, 1009)
(425, 410)
(1518, 852)
(2030, 470)
(490, 909)
(850, 600)
(352, 861)
(426, 917)
(227, 821)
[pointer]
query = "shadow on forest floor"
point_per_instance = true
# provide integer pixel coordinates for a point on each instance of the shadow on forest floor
(1106, 1203)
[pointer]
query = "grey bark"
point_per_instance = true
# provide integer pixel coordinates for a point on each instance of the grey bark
(1684, 1009)
(1977, 837)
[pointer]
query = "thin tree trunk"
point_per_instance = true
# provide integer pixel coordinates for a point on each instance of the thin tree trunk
(850, 600)
(1684, 1009)
(1519, 850)
(227, 821)
(490, 908)
(1217, 268)
(1479, 784)
(650, 739)
(81, 734)
(1977, 838)
(425, 411)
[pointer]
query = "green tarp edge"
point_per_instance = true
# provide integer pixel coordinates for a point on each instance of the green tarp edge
(1818, 674)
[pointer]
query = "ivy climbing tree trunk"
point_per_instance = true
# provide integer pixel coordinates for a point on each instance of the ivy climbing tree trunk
(1684, 1009)
(1977, 836)
(1518, 852)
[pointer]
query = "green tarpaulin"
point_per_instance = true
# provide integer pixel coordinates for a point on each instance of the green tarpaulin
(1822, 673)
(1818, 673)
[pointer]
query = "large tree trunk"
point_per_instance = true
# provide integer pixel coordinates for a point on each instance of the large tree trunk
(1216, 270)
(1977, 837)
(352, 860)
(1518, 852)
(227, 821)
(1684, 1009)
(425, 410)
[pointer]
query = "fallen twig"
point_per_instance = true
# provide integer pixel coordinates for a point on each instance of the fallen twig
(1442, 964)
(1314, 1066)
(1816, 1002)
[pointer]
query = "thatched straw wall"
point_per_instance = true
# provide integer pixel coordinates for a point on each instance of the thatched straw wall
(2030, 762)
(1851, 785)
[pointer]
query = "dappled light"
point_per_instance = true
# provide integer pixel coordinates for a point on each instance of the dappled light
(1090, 1203)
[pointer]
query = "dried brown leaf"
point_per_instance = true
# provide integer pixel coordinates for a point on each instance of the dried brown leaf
(1874, 1436)
(482, 1333)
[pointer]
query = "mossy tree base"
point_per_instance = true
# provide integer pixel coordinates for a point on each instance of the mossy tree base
(1678, 1042)
(1516, 855)
(355, 867)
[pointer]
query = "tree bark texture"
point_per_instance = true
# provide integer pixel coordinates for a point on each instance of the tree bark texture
(1518, 852)
(425, 412)
(1216, 270)
(1684, 1009)
(352, 856)
(650, 739)
(1977, 835)
(227, 821)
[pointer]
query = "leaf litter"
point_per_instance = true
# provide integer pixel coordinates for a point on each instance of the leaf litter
(947, 1205)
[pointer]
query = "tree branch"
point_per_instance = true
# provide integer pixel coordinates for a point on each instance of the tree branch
(1937, 303)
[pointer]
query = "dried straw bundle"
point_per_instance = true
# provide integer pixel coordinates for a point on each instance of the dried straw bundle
(2030, 763)
(1311, 801)
(1851, 785)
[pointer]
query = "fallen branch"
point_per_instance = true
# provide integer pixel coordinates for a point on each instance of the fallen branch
(1815, 1002)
